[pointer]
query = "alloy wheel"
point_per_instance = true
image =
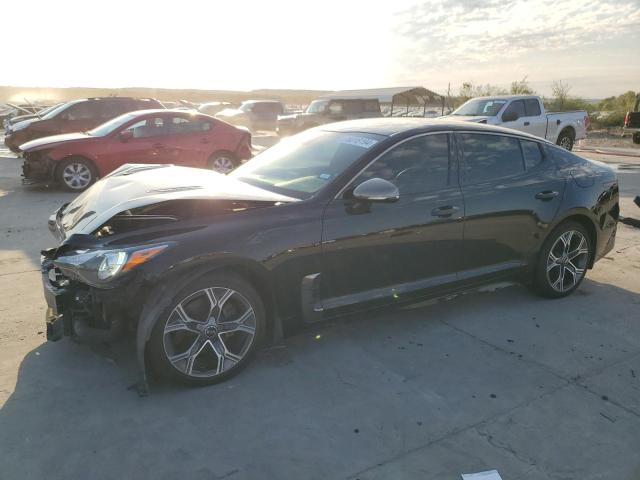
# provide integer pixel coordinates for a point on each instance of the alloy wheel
(222, 164)
(566, 142)
(567, 261)
(209, 332)
(76, 176)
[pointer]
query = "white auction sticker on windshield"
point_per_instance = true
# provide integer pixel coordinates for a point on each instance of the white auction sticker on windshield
(362, 142)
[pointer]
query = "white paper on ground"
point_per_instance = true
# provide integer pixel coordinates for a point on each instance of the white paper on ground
(488, 475)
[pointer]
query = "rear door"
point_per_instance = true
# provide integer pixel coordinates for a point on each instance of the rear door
(512, 193)
(188, 141)
(383, 250)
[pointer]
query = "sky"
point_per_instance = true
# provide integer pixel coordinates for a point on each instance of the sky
(322, 45)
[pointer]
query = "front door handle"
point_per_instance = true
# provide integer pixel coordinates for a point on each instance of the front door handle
(547, 195)
(444, 212)
(526, 124)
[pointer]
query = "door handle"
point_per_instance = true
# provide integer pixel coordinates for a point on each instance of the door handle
(547, 195)
(526, 124)
(444, 211)
(204, 140)
(158, 145)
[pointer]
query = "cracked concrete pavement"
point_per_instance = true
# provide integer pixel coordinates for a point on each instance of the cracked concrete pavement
(537, 389)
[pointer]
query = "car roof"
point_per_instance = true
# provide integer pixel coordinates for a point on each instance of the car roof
(390, 126)
(262, 101)
(506, 97)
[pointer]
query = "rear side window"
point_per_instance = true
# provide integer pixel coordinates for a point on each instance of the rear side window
(532, 154)
(419, 165)
(562, 157)
(532, 107)
(180, 125)
(488, 157)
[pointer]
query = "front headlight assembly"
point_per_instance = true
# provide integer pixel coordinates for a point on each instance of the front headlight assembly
(97, 267)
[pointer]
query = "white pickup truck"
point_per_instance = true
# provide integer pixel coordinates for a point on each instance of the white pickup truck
(527, 114)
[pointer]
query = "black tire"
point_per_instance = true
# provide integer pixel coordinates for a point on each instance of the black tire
(636, 137)
(208, 360)
(222, 162)
(566, 139)
(547, 272)
(85, 174)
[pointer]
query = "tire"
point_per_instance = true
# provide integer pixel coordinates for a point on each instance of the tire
(222, 162)
(76, 174)
(565, 140)
(636, 137)
(562, 276)
(208, 347)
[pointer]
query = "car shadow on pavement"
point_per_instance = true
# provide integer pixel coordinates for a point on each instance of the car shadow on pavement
(375, 385)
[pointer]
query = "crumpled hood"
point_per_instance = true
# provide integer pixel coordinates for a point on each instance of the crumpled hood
(139, 185)
(53, 141)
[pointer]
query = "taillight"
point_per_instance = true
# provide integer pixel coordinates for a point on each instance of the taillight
(626, 119)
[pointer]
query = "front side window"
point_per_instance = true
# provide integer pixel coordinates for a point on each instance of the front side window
(317, 106)
(149, 127)
(335, 108)
(80, 111)
(419, 165)
(304, 164)
(489, 157)
(517, 107)
(481, 106)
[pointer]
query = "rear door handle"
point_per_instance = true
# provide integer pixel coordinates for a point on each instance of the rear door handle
(444, 212)
(547, 195)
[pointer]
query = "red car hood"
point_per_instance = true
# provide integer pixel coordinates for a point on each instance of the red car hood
(53, 141)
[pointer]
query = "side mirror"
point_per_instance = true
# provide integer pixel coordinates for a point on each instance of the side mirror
(377, 190)
(125, 136)
(510, 116)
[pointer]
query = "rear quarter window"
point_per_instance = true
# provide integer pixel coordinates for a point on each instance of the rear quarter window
(533, 156)
(562, 158)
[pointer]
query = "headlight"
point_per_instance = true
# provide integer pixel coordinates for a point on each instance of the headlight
(97, 267)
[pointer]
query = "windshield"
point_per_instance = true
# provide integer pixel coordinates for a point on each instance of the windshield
(108, 127)
(481, 106)
(317, 106)
(55, 111)
(302, 165)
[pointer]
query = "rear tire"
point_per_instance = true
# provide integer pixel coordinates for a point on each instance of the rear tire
(636, 137)
(563, 260)
(209, 332)
(565, 140)
(222, 162)
(76, 174)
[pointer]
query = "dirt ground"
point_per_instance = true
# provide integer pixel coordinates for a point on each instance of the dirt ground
(537, 389)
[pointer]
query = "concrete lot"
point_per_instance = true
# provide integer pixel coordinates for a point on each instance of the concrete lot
(534, 388)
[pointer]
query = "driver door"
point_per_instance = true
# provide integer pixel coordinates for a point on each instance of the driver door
(374, 250)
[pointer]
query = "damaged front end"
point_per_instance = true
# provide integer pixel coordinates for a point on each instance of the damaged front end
(37, 167)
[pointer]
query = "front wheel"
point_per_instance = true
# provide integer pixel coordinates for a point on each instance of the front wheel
(222, 162)
(563, 260)
(209, 332)
(76, 174)
(565, 140)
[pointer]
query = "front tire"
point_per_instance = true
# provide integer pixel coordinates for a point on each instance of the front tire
(222, 162)
(76, 174)
(565, 140)
(209, 332)
(563, 260)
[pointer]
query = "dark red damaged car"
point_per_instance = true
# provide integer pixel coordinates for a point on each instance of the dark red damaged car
(179, 137)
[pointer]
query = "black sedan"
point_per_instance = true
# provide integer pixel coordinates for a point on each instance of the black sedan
(205, 267)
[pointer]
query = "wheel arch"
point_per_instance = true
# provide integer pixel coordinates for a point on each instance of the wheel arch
(584, 219)
(571, 129)
(161, 295)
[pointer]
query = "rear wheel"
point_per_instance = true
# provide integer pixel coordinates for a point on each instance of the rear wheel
(563, 260)
(76, 174)
(565, 140)
(636, 137)
(222, 162)
(209, 332)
